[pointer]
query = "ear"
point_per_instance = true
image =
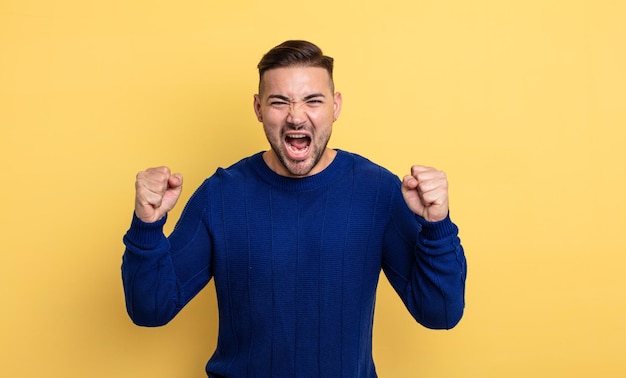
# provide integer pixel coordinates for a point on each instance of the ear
(337, 101)
(257, 108)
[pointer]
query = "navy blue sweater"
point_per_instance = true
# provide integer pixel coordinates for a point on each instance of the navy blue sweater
(296, 263)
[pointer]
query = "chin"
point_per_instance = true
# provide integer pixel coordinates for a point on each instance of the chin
(300, 169)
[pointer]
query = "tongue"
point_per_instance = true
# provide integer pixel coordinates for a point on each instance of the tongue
(299, 143)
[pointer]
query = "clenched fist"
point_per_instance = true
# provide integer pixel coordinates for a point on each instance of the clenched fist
(425, 191)
(156, 193)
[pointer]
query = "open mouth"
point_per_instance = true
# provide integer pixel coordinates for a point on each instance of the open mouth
(298, 145)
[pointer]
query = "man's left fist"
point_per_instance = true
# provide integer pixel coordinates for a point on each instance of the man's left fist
(425, 191)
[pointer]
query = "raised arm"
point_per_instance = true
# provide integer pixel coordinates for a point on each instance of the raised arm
(423, 258)
(160, 274)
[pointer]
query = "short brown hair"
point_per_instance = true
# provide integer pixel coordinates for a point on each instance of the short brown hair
(295, 53)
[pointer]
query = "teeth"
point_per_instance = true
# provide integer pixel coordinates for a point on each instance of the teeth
(297, 136)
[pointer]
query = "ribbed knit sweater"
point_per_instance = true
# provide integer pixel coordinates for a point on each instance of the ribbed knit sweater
(296, 263)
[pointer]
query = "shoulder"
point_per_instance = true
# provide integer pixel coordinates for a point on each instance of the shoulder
(230, 177)
(239, 169)
(363, 166)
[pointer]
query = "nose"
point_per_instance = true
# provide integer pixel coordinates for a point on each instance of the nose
(297, 114)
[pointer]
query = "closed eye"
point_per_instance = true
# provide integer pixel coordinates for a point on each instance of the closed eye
(278, 103)
(315, 99)
(278, 100)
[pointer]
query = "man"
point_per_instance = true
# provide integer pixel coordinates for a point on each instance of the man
(295, 238)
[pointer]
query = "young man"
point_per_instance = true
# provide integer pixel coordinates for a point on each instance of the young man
(295, 238)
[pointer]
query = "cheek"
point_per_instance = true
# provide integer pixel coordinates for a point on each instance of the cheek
(272, 125)
(323, 119)
(273, 116)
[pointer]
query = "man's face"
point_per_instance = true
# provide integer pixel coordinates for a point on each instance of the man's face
(297, 107)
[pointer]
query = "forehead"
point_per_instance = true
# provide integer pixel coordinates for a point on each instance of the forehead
(296, 81)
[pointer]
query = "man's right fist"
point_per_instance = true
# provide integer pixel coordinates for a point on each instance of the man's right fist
(156, 193)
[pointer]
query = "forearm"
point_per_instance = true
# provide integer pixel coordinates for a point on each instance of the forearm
(148, 275)
(441, 271)
(428, 271)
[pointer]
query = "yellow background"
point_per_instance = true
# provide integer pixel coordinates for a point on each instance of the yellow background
(522, 103)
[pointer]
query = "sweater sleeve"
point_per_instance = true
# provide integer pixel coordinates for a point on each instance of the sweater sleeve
(162, 274)
(425, 263)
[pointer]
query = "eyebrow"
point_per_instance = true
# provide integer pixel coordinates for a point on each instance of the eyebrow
(285, 98)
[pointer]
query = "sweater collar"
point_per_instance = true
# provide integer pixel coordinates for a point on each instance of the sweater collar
(331, 174)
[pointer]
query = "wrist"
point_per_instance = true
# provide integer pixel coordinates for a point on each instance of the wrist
(145, 235)
(435, 230)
